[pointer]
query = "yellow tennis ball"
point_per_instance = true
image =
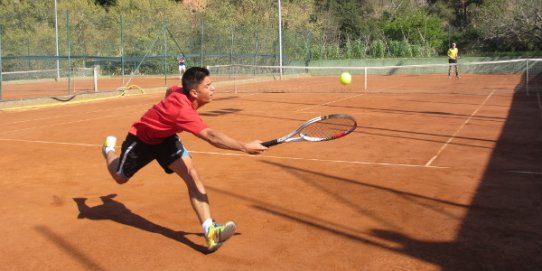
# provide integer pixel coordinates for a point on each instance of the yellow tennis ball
(345, 78)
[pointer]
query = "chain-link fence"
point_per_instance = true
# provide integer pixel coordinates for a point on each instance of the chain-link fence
(145, 38)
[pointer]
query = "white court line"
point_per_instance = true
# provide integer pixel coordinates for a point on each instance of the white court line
(53, 125)
(101, 111)
(54, 104)
(321, 160)
(313, 106)
(105, 116)
(90, 119)
(459, 130)
(84, 101)
(51, 142)
(245, 155)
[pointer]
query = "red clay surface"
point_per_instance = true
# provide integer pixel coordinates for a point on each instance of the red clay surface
(426, 182)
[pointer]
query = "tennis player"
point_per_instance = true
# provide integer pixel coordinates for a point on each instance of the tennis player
(453, 56)
(154, 137)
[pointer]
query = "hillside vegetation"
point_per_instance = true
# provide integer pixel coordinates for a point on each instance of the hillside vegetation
(312, 29)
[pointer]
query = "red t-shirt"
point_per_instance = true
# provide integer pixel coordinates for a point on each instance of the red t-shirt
(172, 115)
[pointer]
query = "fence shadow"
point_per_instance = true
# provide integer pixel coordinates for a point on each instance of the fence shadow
(507, 236)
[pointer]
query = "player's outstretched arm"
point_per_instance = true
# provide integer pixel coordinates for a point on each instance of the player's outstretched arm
(221, 140)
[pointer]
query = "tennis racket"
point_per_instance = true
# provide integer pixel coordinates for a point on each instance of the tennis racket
(321, 128)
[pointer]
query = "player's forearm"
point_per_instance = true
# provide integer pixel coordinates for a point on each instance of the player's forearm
(220, 140)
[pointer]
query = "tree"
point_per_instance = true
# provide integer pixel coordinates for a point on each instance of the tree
(417, 28)
(106, 3)
(507, 25)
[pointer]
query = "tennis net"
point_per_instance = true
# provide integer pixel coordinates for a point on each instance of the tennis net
(48, 74)
(476, 78)
(78, 79)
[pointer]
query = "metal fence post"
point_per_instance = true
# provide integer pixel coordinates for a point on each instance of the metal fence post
(69, 52)
(0, 63)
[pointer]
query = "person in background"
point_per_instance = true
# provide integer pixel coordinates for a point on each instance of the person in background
(182, 66)
(453, 56)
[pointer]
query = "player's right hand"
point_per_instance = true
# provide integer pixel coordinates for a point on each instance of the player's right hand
(254, 147)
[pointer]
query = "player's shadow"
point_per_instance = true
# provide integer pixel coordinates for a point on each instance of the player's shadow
(220, 112)
(111, 209)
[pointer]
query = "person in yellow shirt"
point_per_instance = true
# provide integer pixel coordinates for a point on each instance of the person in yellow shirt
(453, 56)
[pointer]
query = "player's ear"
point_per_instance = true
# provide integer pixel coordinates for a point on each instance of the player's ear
(193, 93)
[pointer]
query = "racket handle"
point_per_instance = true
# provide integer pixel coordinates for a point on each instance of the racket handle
(270, 143)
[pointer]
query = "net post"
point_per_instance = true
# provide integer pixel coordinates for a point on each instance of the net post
(1, 63)
(70, 68)
(95, 70)
(234, 79)
(57, 76)
(365, 71)
(122, 47)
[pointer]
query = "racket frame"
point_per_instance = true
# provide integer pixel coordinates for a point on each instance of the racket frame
(303, 137)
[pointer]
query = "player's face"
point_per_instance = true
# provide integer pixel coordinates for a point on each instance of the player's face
(205, 91)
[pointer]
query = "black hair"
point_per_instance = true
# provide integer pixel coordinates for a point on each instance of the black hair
(193, 77)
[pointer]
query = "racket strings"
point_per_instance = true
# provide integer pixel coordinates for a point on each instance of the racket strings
(328, 128)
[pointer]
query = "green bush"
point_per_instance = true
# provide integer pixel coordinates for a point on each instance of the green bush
(378, 49)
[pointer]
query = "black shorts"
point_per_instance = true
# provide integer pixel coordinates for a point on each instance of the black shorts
(451, 60)
(136, 154)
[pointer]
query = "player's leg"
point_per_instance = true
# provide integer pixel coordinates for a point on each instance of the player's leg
(134, 156)
(215, 234)
(457, 71)
(182, 70)
(196, 190)
(112, 159)
(449, 68)
(183, 166)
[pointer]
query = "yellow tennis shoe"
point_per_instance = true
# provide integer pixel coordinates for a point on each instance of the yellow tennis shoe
(218, 234)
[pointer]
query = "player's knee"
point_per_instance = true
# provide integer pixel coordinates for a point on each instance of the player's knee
(120, 179)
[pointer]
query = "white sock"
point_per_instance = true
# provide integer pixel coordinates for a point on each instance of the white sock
(206, 224)
(108, 149)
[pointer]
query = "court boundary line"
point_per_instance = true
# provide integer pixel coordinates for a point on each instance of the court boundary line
(110, 95)
(451, 138)
(526, 172)
(244, 155)
(86, 119)
(60, 116)
(428, 164)
(52, 125)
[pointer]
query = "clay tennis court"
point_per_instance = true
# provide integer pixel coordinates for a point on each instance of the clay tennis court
(427, 182)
